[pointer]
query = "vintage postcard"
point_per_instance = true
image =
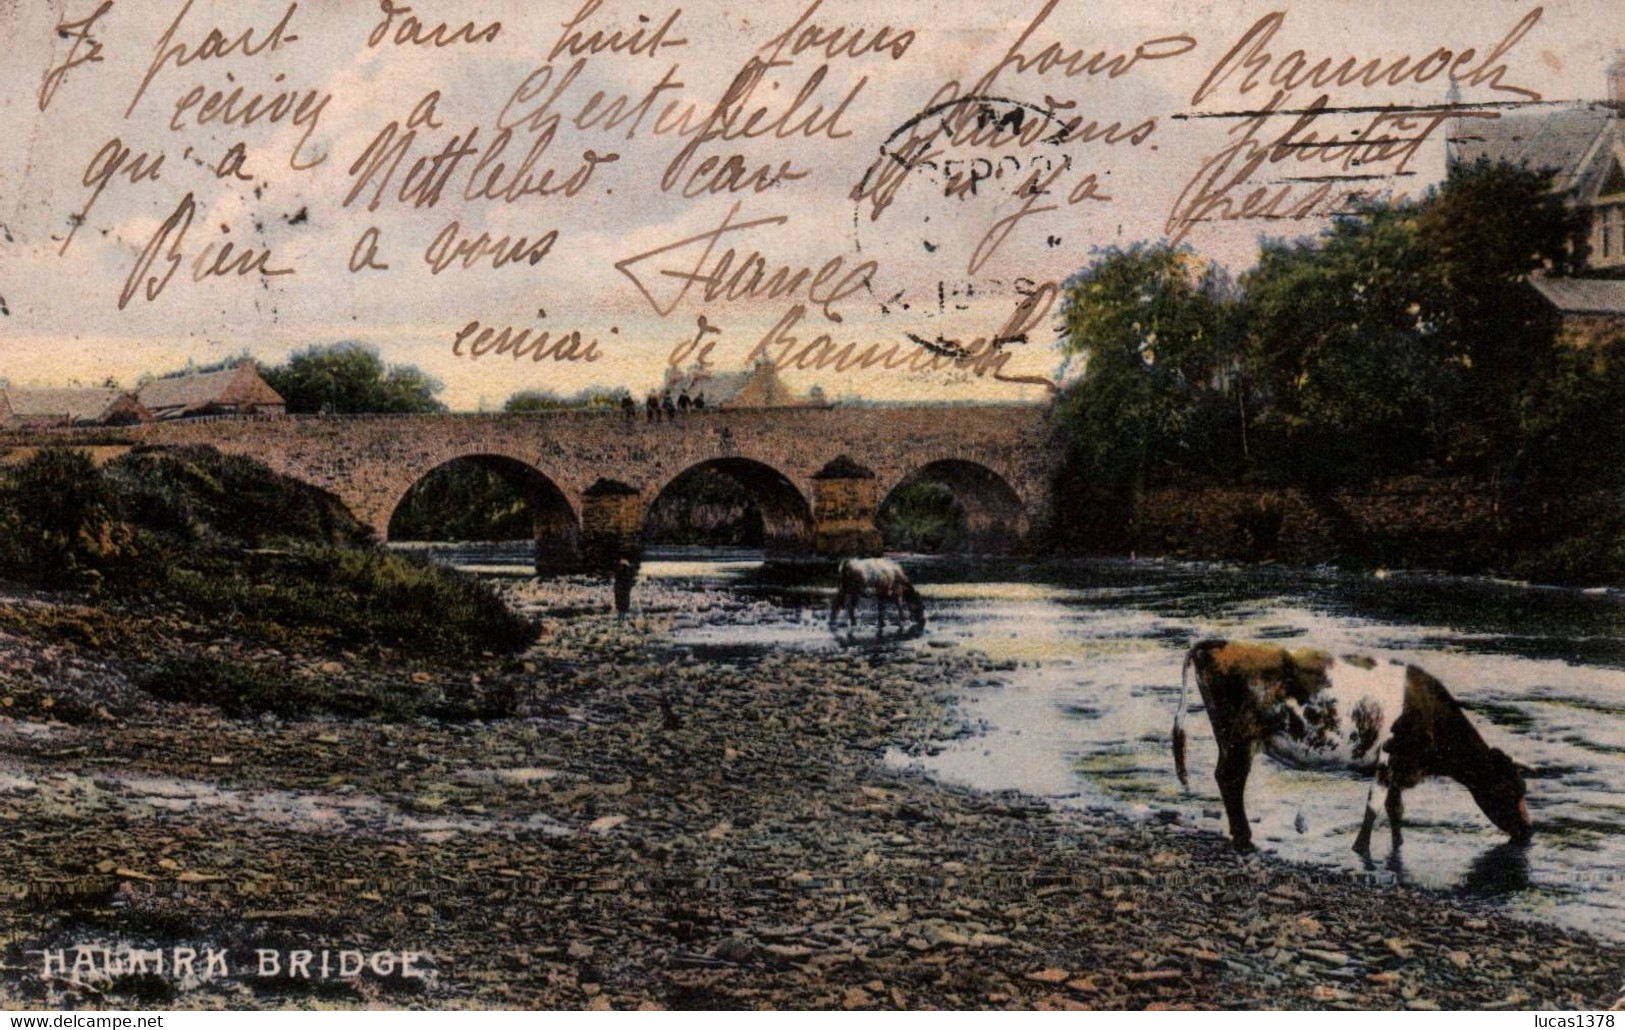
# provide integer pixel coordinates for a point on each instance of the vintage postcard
(812, 504)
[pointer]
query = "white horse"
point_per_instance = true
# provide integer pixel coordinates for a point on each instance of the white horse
(886, 580)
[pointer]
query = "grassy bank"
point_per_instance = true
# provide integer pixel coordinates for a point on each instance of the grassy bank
(156, 551)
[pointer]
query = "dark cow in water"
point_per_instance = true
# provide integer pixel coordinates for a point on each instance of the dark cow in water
(882, 577)
(1310, 710)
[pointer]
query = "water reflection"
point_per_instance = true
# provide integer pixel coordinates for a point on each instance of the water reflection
(1499, 871)
(1089, 655)
(871, 637)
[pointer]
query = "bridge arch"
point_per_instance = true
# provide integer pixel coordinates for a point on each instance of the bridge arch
(995, 516)
(554, 522)
(369, 462)
(787, 517)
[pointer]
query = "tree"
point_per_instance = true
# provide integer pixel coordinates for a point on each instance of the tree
(1155, 325)
(1402, 338)
(463, 500)
(1484, 231)
(533, 401)
(527, 402)
(1347, 368)
(1407, 332)
(350, 378)
(1571, 419)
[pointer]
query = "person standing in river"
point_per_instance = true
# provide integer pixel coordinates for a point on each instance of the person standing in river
(629, 408)
(669, 408)
(625, 576)
(683, 403)
(652, 407)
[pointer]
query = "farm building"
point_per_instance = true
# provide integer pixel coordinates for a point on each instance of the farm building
(229, 391)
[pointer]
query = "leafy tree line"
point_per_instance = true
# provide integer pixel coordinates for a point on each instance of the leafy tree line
(336, 379)
(536, 401)
(353, 379)
(1406, 338)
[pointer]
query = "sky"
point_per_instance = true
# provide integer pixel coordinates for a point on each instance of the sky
(610, 240)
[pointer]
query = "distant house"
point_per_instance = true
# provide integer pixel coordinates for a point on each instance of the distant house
(1584, 146)
(757, 387)
(230, 391)
(50, 408)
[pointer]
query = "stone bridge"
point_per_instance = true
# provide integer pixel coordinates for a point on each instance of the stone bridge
(818, 475)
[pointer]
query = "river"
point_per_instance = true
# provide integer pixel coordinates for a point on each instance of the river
(1092, 651)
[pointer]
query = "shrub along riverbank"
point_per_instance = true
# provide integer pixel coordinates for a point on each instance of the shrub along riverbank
(222, 547)
(1454, 524)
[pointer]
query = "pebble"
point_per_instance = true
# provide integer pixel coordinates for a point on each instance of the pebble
(744, 847)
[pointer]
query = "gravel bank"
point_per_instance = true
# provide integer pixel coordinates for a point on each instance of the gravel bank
(648, 831)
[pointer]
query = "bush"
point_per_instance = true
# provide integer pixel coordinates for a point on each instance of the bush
(198, 495)
(925, 518)
(192, 527)
(236, 689)
(58, 517)
(348, 597)
(1596, 555)
(244, 690)
(464, 500)
(709, 508)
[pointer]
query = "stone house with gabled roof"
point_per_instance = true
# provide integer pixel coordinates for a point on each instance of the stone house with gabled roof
(229, 391)
(1583, 145)
(756, 387)
(69, 406)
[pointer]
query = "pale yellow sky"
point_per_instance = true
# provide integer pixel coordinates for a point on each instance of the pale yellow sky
(929, 277)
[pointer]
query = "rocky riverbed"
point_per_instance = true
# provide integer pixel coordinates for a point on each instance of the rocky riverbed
(618, 825)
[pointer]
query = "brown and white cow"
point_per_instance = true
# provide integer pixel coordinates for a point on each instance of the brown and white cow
(1311, 710)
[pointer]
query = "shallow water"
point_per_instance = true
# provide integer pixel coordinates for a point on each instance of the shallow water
(1092, 651)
